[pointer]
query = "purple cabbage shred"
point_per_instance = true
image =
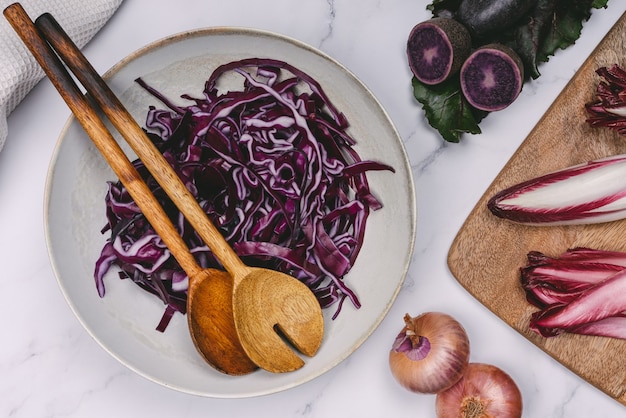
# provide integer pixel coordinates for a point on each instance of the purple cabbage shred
(273, 167)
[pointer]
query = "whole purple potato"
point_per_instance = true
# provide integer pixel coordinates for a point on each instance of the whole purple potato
(482, 17)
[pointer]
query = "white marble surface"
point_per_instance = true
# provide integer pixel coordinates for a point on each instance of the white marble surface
(49, 366)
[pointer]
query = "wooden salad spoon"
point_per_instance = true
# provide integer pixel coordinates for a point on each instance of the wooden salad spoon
(209, 307)
(269, 307)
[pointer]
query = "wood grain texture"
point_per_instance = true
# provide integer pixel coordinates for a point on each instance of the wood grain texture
(487, 253)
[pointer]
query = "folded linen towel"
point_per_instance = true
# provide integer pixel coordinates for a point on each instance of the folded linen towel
(19, 72)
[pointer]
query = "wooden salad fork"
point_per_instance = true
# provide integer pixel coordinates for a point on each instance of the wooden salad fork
(268, 307)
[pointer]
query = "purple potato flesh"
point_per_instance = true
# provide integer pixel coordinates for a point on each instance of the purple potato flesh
(436, 48)
(492, 78)
(430, 53)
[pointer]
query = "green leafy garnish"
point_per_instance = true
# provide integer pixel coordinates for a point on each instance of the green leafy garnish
(551, 25)
(446, 108)
(564, 23)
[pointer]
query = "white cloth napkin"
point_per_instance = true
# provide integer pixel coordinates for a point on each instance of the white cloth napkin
(19, 72)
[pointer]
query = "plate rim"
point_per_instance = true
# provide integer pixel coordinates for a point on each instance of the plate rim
(236, 30)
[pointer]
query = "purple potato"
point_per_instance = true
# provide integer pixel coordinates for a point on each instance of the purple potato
(492, 77)
(437, 48)
(482, 17)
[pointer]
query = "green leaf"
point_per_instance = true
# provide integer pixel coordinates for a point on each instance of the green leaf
(598, 4)
(527, 37)
(550, 26)
(447, 110)
(567, 25)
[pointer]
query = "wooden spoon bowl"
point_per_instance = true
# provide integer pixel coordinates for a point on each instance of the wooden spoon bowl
(212, 325)
(294, 315)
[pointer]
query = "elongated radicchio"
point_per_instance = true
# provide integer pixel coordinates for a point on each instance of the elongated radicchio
(274, 168)
(588, 193)
(582, 292)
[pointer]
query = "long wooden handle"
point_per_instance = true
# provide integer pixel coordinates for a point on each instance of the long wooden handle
(139, 142)
(97, 131)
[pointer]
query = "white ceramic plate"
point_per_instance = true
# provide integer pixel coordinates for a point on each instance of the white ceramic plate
(124, 321)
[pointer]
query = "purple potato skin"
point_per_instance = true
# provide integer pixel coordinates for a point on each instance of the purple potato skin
(437, 48)
(492, 77)
(482, 17)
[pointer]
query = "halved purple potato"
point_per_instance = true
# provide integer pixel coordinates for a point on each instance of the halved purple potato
(492, 77)
(436, 49)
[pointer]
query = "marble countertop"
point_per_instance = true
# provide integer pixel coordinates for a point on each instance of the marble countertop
(50, 366)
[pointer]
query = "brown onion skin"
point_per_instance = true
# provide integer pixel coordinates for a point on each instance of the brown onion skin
(444, 363)
(484, 391)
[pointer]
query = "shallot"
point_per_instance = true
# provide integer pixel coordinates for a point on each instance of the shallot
(484, 391)
(430, 354)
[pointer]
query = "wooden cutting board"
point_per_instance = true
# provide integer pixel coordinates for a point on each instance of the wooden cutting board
(487, 253)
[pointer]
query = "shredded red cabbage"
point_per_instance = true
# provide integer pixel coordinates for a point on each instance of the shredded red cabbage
(273, 167)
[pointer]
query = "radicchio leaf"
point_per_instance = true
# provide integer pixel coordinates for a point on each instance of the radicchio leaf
(580, 292)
